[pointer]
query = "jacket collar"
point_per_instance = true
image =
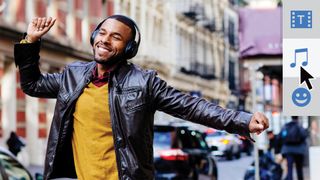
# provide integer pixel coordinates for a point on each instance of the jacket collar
(120, 72)
(89, 74)
(116, 76)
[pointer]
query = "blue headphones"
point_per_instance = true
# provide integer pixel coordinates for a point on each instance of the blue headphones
(132, 46)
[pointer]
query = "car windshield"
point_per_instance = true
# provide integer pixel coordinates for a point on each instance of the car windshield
(217, 133)
(192, 140)
(12, 168)
(162, 140)
(182, 138)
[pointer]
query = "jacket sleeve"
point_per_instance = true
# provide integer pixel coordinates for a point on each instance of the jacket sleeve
(32, 81)
(198, 110)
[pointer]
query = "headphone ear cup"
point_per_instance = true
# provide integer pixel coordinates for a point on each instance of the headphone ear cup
(93, 36)
(131, 49)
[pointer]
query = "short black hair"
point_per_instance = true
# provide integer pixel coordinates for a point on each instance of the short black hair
(121, 18)
(127, 22)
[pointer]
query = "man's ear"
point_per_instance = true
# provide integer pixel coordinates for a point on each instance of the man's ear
(93, 36)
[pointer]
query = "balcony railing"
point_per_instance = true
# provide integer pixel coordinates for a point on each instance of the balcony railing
(199, 69)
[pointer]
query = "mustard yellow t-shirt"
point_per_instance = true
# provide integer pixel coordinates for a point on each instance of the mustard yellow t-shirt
(92, 141)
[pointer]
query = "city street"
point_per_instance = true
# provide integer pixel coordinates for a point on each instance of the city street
(109, 89)
(234, 169)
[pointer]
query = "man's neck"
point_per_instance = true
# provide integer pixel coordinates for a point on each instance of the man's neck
(102, 69)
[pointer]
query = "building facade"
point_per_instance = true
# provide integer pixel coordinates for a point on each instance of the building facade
(192, 44)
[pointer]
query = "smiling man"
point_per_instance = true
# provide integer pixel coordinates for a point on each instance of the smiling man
(111, 40)
(103, 120)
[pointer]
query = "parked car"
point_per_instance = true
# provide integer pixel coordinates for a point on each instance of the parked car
(182, 153)
(228, 145)
(11, 168)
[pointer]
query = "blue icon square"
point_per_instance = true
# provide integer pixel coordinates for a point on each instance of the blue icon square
(301, 19)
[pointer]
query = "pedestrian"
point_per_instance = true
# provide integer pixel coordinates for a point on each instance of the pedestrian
(314, 133)
(15, 143)
(102, 126)
(293, 137)
(272, 143)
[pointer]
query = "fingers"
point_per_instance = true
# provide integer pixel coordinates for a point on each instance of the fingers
(43, 23)
(257, 127)
(258, 123)
(264, 121)
(51, 22)
(260, 127)
(48, 21)
(39, 20)
(34, 22)
(38, 27)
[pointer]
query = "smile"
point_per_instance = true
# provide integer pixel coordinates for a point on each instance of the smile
(103, 49)
(299, 101)
(301, 97)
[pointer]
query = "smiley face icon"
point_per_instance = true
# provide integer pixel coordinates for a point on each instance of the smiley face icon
(301, 97)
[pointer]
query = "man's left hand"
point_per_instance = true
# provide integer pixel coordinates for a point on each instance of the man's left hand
(258, 123)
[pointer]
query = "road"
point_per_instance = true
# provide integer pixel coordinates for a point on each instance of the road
(234, 169)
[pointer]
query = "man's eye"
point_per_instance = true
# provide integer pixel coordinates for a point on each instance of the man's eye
(117, 37)
(101, 33)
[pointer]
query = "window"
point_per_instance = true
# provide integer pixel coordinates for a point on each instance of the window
(231, 78)
(231, 33)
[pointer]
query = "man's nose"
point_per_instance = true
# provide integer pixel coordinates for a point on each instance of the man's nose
(106, 39)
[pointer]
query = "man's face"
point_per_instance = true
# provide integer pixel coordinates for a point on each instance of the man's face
(111, 40)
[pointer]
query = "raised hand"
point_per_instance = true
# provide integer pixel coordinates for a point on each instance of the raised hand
(38, 27)
(259, 122)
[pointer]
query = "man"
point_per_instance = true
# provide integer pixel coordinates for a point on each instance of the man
(314, 134)
(293, 137)
(103, 122)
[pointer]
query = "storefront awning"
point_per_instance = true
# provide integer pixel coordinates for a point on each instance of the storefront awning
(260, 32)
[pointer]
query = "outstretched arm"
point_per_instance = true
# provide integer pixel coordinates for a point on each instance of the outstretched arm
(200, 111)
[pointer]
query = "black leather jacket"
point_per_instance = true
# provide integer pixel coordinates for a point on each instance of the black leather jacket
(134, 96)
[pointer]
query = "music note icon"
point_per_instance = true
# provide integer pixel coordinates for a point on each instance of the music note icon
(296, 51)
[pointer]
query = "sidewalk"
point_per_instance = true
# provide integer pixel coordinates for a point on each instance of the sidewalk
(33, 169)
(306, 173)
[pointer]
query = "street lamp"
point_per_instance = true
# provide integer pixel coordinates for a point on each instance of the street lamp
(253, 68)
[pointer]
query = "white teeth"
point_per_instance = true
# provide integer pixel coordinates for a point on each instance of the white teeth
(102, 49)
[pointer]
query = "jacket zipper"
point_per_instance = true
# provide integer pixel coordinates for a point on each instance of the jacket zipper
(110, 99)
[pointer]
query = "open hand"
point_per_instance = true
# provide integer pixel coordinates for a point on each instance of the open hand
(38, 27)
(258, 123)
